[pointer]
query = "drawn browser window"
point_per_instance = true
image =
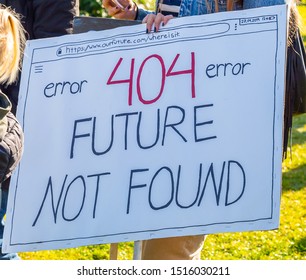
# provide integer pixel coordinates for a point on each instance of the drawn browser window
(151, 135)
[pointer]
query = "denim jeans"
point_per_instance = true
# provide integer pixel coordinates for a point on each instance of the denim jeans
(3, 205)
(249, 4)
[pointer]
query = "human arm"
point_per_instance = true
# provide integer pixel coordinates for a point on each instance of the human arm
(124, 9)
(127, 9)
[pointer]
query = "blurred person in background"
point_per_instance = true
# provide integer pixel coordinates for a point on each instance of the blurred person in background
(189, 247)
(185, 247)
(12, 40)
(40, 19)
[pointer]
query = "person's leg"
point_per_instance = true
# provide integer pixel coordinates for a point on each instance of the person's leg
(173, 248)
(3, 205)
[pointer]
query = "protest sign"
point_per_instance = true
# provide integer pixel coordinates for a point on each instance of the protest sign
(132, 136)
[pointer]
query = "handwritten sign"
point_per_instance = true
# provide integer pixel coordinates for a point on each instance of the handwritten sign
(132, 136)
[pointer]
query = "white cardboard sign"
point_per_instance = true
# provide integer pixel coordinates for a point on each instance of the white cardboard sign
(132, 136)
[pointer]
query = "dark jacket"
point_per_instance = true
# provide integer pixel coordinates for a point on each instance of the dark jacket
(41, 19)
(11, 141)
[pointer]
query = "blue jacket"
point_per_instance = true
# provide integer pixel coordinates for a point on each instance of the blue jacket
(193, 7)
(249, 4)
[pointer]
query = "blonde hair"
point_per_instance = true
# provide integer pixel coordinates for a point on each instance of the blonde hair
(295, 21)
(12, 40)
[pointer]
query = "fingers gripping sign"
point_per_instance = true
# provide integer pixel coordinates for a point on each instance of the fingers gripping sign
(154, 21)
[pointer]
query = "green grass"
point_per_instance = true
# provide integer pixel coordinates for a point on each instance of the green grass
(302, 10)
(286, 243)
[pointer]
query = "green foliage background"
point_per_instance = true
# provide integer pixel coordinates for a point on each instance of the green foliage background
(288, 242)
